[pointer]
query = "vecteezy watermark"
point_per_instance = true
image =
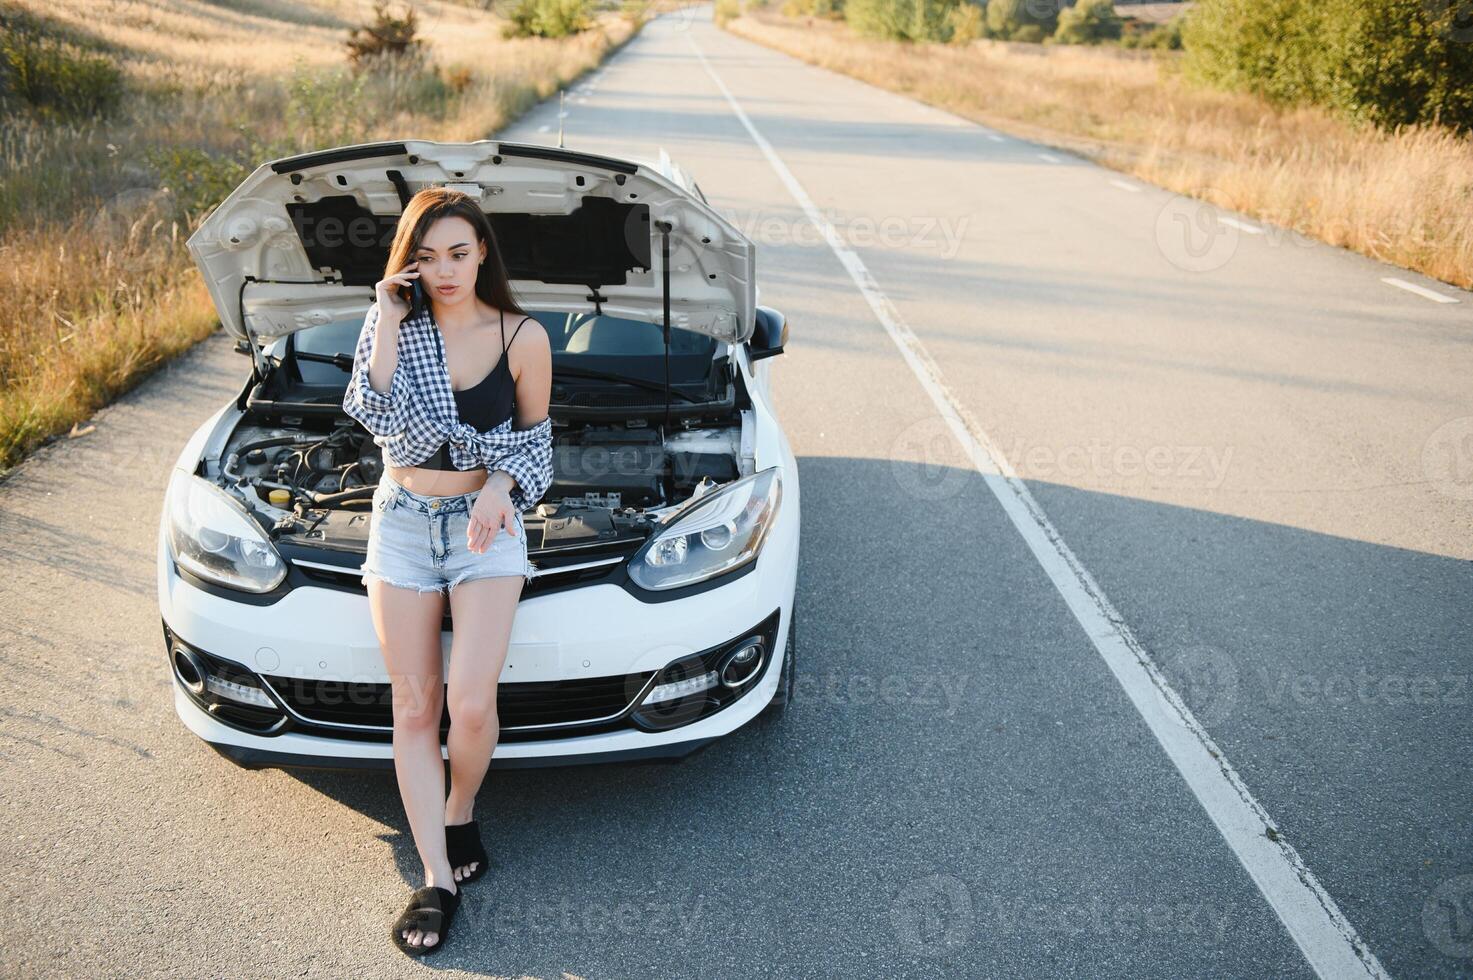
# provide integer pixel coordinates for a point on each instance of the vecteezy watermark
(1337, 688)
(567, 916)
(939, 234)
(928, 463)
(1447, 458)
(1447, 917)
(326, 231)
(1205, 466)
(1044, 9)
(937, 915)
(686, 14)
(932, 916)
(135, 208)
(939, 689)
(1204, 677)
(1095, 916)
(1191, 236)
(1198, 235)
(1453, 18)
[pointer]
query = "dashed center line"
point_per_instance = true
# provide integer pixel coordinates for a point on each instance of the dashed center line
(1240, 225)
(1133, 188)
(1422, 291)
(1048, 157)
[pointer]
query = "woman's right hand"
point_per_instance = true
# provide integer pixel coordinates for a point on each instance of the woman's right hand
(392, 293)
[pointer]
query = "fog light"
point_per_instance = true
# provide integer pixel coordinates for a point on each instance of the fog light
(679, 689)
(243, 693)
(190, 670)
(741, 664)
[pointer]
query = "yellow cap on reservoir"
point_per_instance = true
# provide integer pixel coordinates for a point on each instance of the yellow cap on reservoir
(280, 498)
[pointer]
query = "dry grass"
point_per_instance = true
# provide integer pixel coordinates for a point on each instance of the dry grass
(96, 287)
(1404, 197)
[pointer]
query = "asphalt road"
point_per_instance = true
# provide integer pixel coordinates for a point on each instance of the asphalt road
(1257, 451)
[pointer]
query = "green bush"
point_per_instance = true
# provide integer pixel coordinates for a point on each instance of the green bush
(1021, 20)
(52, 76)
(967, 23)
(389, 40)
(1138, 34)
(330, 108)
(725, 10)
(1088, 22)
(901, 20)
(198, 179)
(548, 18)
(1386, 62)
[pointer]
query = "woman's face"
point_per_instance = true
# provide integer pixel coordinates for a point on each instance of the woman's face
(449, 260)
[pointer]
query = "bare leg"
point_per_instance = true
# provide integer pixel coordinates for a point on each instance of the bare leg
(483, 610)
(408, 627)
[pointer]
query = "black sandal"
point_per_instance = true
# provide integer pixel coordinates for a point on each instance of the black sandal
(430, 909)
(463, 846)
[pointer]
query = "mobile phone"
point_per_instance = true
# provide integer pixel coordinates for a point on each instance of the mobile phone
(416, 299)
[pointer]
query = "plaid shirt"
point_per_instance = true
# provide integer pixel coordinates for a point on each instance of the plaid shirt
(418, 414)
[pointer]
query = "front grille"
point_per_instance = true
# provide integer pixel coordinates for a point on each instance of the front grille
(614, 399)
(519, 706)
(550, 577)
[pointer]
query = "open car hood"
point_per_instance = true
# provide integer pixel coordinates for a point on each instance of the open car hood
(303, 240)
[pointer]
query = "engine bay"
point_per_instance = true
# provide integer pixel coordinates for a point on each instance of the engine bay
(312, 480)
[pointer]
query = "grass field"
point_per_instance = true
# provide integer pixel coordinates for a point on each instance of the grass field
(96, 286)
(1405, 197)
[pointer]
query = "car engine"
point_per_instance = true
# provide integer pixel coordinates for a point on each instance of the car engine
(610, 481)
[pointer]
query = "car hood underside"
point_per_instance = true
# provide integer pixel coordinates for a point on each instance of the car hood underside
(303, 240)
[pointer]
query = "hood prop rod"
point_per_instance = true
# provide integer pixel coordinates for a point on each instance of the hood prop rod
(665, 229)
(258, 357)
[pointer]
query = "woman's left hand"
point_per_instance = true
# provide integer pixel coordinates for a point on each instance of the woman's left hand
(492, 511)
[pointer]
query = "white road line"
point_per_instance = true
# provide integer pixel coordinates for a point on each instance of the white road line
(543, 129)
(1049, 157)
(1329, 942)
(1240, 225)
(1422, 291)
(1133, 188)
(996, 138)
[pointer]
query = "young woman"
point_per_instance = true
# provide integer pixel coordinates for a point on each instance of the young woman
(454, 384)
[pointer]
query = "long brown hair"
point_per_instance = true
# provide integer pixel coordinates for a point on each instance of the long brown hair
(493, 284)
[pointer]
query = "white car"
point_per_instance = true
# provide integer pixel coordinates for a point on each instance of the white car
(660, 615)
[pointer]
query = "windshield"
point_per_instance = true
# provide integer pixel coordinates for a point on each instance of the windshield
(607, 343)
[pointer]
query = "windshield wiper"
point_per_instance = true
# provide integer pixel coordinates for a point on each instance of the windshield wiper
(343, 361)
(572, 372)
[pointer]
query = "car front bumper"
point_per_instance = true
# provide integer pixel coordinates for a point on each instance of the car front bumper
(600, 633)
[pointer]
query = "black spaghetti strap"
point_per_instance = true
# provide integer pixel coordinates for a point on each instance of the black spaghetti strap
(519, 327)
(502, 314)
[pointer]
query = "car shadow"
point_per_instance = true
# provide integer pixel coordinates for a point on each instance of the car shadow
(951, 718)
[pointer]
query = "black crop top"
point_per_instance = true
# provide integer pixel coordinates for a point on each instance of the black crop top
(484, 405)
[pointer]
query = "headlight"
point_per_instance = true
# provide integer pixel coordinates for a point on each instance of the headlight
(716, 534)
(211, 536)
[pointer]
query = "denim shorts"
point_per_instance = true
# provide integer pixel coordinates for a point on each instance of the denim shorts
(419, 542)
